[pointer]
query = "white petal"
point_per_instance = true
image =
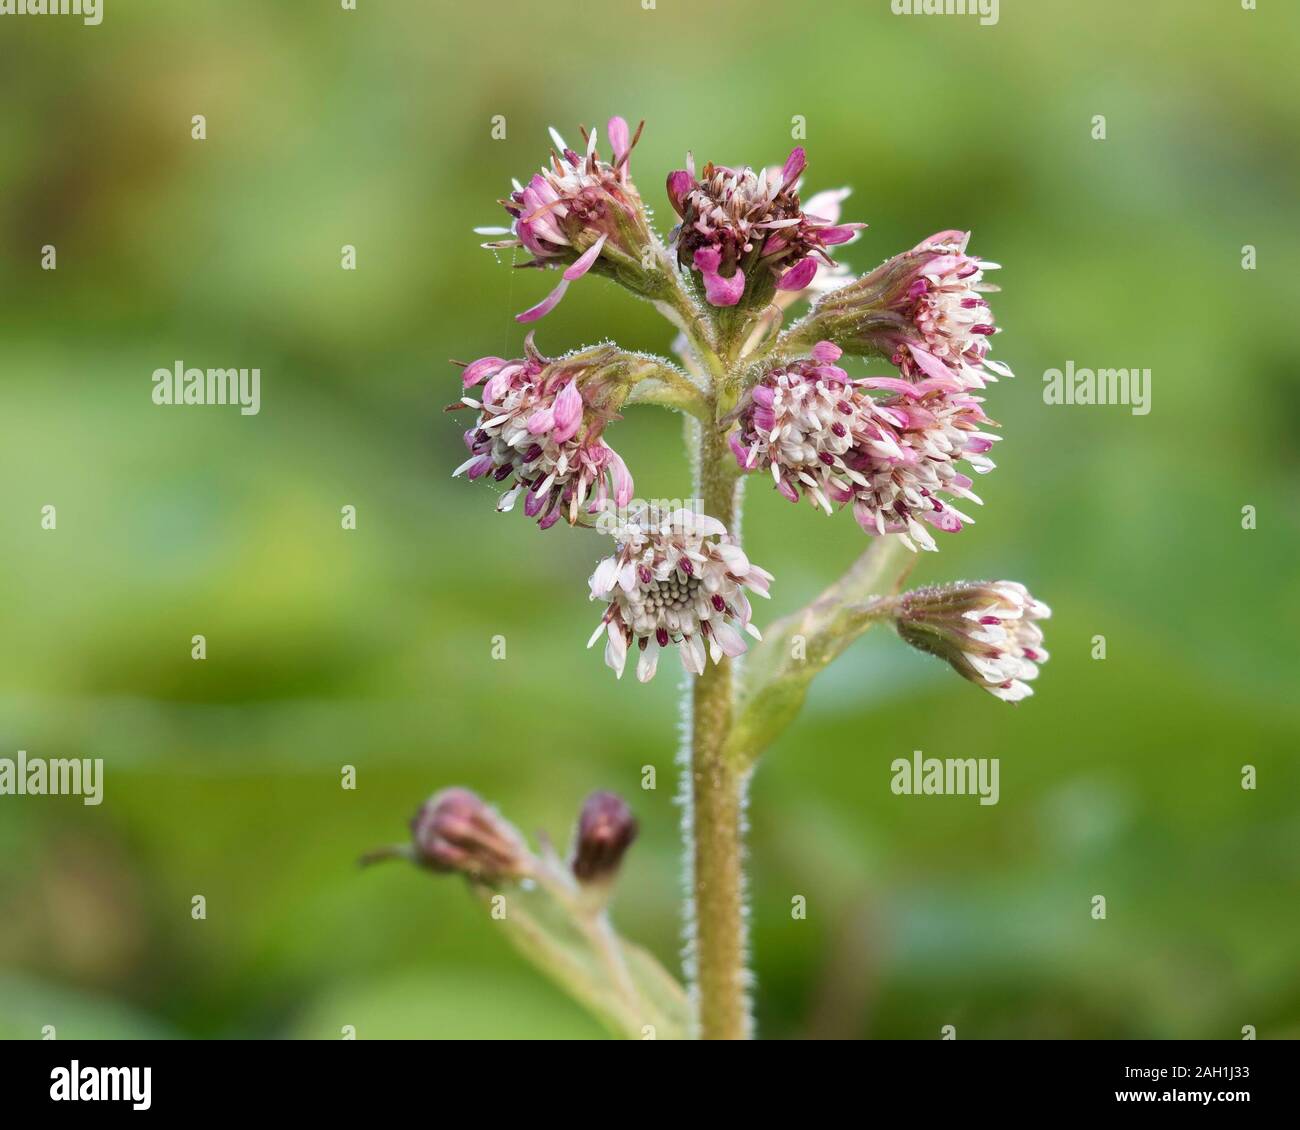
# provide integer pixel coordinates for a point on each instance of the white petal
(648, 662)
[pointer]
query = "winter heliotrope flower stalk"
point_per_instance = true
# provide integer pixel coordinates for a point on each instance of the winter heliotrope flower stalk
(898, 450)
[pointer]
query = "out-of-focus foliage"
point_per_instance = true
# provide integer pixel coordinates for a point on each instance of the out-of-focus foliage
(373, 648)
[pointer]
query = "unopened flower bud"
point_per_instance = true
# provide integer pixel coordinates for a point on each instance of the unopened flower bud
(606, 829)
(456, 831)
(985, 630)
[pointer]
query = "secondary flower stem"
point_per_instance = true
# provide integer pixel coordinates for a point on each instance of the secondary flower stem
(717, 801)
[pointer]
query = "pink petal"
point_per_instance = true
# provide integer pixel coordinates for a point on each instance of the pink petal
(930, 364)
(950, 236)
(724, 292)
(680, 184)
(798, 276)
(622, 479)
(734, 441)
(794, 166)
(567, 412)
(840, 234)
(547, 304)
(707, 260)
(892, 384)
(543, 420)
(826, 352)
(719, 291)
(618, 138)
(480, 370)
(583, 263)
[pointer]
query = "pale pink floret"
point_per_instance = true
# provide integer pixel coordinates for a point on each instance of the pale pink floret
(535, 426)
(675, 579)
(825, 435)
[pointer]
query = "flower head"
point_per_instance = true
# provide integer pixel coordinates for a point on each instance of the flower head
(540, 423)
(456, 831)
(824, 435)
(606, 829)
(987, 631)
(676, 581)
(580, 212)
(925, 310)
(739, 225)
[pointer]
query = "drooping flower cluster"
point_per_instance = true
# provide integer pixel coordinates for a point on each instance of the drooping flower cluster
(825, 435)
(674, 580)
(577, 211)
(925, 310)
(987, 631)
(739, 225)
(539, 423)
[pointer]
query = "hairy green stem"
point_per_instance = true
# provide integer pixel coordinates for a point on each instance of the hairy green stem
(717, 807)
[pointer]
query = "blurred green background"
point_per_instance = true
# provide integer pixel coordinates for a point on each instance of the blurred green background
(373, 648)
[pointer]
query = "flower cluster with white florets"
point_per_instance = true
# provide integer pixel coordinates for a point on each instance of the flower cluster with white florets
(678, 581)
(897, 450)
(987, 631)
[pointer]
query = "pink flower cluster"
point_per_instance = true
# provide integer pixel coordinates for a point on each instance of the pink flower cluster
(575, 210)
(925, 310)
(737, 220)
(535, 426)
(824, 435)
